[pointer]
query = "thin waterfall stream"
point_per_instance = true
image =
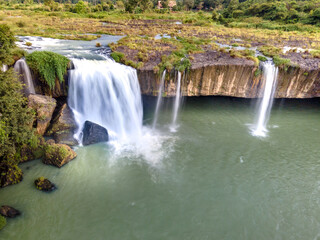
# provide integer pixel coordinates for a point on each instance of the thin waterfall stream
(173, 127)
(270, 75)
(159, 100)
(22, 68)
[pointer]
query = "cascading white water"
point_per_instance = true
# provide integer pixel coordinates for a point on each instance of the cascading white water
(176, 104)
(22, 68)
(4, 68)
(156, 113)
(270, 74)
(106, 93)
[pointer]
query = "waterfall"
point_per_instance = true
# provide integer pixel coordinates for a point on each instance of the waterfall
(270, 74)
(22, 68)
(156, 113)
(4, 68)
(176, 104)
(106, 93)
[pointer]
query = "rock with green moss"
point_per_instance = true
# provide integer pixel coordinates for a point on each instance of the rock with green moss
(44, 184)
(9, 212)
(3, 222)
(33, 151)
(49, 66)
(58, 155)
(44, 107)
(9, 174)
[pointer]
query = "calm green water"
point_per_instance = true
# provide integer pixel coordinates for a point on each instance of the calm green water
(209, 180)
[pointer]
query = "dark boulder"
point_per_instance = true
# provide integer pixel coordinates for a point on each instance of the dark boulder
(94, 133)
(9, 212)
(44, 184)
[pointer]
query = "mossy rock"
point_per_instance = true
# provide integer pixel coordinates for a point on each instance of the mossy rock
(10, 174)
(43, 184)
(58, 155)
(3, 222)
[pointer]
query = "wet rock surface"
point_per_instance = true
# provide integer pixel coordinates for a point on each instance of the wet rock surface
(9, 212)
(44, 184)
(94, 133)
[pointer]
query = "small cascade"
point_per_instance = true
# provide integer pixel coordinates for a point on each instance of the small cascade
(173, 127)
(106, 93)
(4, 68)
(159, 100)
(270, 74)
(22, 68)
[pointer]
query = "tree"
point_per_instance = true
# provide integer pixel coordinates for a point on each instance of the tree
(80, 7)
(7, 40)
(189, 4)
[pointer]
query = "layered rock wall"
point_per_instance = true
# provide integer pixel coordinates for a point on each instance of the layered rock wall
(236, 80)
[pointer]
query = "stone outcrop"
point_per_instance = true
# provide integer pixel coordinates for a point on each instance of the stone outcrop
(44, 184)
(63, 127)
(58, 155)
(44, 107)
(10, 174)
(29, 153)
(9, 212)
(233, 79)
(94, 133)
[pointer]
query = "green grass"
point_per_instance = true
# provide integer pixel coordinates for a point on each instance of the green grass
(48, 65)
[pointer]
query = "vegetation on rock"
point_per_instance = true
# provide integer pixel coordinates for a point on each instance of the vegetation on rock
(48, 65)
(44, 184)
(58, 154)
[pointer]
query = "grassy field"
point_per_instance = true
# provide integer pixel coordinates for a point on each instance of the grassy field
(163, 39)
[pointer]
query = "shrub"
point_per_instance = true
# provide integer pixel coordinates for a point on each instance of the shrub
(7, 40)
(278, 61)
(118, 56)
(48, 66)
(262, 58)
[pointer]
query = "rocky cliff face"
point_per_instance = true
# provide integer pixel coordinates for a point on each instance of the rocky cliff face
(233, 79)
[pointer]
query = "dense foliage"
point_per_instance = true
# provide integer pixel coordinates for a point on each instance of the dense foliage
(15, 118)
(48, 65)
(6, 44)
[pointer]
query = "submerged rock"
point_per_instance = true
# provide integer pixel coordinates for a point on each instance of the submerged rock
(44, 184)
(58, 154)
(44, 107)
(3, 222)
(9, 212)
(94, 133)
(9, 174)
(64, 126)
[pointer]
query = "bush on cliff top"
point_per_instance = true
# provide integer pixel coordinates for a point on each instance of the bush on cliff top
(48, 65)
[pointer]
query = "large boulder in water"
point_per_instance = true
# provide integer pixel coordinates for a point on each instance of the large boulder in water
(94, 133)
(64, 126)
(43, 184)
(44, 107)
(9, 212)
(58, 155)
